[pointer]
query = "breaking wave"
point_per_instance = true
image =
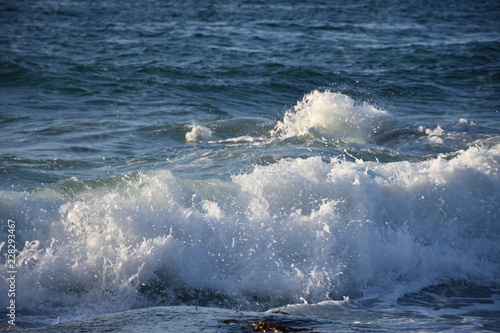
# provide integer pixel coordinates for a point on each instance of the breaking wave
(299, 229)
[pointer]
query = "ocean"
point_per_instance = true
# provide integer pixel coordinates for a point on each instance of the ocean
(240, 166)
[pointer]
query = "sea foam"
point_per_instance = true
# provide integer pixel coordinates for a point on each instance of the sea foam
(332, 114)
(299, 229)
(198, 133)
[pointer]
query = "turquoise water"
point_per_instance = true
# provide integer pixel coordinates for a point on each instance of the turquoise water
(337, 161)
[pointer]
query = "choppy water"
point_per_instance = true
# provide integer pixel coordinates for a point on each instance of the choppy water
(335, 161)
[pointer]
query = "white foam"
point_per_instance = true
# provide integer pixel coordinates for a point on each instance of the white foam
(297, 229)
(199, 133)
(324, 309)
(321, 114)
(435, 135)
(203, 134)
(333, 114)
(452, 136)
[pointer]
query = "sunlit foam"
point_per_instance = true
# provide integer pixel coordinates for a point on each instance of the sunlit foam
(333, 114)
(297, 229)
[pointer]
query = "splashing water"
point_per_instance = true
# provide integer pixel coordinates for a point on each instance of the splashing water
(333, 114)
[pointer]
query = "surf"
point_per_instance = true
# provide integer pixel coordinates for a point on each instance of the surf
(297, 229)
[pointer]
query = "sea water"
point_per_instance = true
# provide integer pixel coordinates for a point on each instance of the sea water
(207, 165)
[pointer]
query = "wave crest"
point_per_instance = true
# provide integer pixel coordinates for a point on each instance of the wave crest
(332, 114)
(297, 229)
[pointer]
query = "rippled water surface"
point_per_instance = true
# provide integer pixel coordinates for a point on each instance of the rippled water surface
(334, 162)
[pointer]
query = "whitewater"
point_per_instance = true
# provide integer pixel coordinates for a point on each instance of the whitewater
(238, 166)
(298, 231)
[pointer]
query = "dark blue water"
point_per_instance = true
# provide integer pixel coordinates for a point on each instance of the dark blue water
(252, 155)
